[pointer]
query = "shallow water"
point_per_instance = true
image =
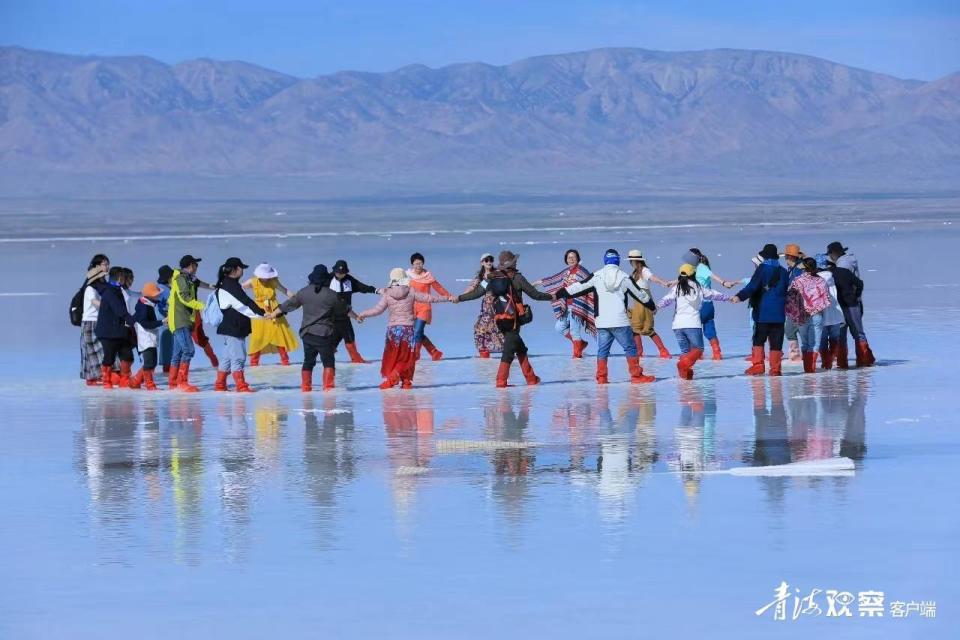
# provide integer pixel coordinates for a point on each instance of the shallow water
(456, 510)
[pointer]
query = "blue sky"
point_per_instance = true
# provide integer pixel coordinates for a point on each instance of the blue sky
(919, 39)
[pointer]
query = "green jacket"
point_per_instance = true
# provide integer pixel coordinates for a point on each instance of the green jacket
(183, 302)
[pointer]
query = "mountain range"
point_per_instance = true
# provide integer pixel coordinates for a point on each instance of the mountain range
(632, 111)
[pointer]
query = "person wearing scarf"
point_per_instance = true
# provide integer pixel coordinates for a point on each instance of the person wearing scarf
(575, 316)
(422, 282)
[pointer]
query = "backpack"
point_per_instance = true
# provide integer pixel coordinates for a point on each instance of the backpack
(509, 313)
(76, 306)
(212, 314)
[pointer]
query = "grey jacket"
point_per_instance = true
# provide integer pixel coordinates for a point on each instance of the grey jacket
(322, 309)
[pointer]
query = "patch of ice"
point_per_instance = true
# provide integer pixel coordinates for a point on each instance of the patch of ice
(825, 467)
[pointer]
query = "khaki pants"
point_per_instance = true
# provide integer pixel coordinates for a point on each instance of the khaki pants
(641, 320)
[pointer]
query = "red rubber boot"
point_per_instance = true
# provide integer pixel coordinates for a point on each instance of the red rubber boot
(776, 357)
(306, 380)
(284, 356)
(148, 383)
(435, 353)
(329, 377)
(241, 383)
(220, 384)
(664, 353)
(715, 346)
(137, 380)
(636, 371)
(527, 369)
(255, 359)
(105, 371)
(183, 379)
(602, 377)
(125, 374)
(503, 375)
(756, 367)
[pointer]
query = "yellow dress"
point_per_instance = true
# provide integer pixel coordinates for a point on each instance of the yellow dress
(268, 335)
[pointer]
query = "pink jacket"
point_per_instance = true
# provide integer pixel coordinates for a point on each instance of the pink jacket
(814, 292)
(399, 301)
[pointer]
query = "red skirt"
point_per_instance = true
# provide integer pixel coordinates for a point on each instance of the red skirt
(399, 355)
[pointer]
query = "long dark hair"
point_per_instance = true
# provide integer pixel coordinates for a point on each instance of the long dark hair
(686, 285)
(702, 258)
(221, 275)
(97, 260)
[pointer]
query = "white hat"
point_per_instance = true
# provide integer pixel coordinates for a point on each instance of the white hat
(635, 254)
(265, 271)
(398, 276)
(485, 256)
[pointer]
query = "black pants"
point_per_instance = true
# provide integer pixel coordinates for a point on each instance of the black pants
(513, 345)
(772, 331)
(324, 346)
(345, 329)
(114, 348)
(149, 358)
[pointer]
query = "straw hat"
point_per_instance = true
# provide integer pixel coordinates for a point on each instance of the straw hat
(635, 254)
(265, 271)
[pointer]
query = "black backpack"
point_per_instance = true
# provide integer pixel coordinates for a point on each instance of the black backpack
(509, 312)
(76, 306)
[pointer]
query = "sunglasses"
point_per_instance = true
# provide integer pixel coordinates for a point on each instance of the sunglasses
(488, 259)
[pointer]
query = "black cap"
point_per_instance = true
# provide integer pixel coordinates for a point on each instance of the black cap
(769, 252)
(836, 247)
(233, 263)
(187, 260)
(340, 266)
(164, 274)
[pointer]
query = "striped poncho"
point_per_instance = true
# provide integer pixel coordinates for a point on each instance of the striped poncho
(582, 307)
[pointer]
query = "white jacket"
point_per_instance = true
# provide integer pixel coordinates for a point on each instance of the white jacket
(687, 315)
(146, 338)
(612, 287)
(833, 314)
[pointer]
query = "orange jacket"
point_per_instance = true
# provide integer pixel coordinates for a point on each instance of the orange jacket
(423, 283)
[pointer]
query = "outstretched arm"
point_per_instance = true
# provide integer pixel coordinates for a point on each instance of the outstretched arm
(667, 300)
(375, 310)
(477, 292)
(530, 290)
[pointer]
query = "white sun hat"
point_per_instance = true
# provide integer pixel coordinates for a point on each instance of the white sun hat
(265, 271)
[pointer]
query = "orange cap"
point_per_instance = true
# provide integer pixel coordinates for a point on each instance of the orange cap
(150, 290)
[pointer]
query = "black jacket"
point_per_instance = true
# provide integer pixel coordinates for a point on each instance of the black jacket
(231, 295)
(349, 286)
(113, 319)
(849, 287)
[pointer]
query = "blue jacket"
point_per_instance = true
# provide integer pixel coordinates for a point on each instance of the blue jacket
(113, 319)
(768, 301)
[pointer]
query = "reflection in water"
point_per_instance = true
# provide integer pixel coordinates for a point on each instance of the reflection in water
(237, 469)
(509, 485)
(145, 460)
(185, 437)
(409, 422)
(696, 435)
(329, 459)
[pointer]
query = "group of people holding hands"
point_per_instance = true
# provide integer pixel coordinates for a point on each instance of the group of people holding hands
(812, 302)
